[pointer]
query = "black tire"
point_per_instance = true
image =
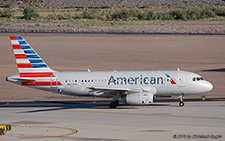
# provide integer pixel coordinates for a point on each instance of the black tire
(117, 102)
(112, 105)
(181, 104)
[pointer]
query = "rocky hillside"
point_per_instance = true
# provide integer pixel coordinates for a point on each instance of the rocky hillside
(115, 3)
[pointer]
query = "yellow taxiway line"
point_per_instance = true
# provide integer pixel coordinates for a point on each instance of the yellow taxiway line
(44, 133)
(63, 134)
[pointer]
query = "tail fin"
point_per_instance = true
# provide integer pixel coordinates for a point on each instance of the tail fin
(28, 61)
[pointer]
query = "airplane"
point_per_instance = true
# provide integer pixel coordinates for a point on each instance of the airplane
(132, 87)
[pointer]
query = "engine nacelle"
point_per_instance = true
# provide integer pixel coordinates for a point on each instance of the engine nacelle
(143, 98)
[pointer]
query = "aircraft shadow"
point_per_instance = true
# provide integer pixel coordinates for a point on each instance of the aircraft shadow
(66, 105)
(216, 70)
(95, 104)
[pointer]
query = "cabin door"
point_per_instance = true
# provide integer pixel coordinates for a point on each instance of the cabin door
(181, 80)
(54, 85)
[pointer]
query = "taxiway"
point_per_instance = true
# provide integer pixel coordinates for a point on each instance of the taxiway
(95, 121)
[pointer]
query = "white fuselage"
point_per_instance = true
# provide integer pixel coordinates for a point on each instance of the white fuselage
(156, 82)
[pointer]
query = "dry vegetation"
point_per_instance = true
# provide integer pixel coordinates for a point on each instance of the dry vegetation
(113, 16)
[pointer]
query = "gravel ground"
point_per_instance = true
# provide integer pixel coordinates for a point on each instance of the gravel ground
(170, 27)
(122, 3)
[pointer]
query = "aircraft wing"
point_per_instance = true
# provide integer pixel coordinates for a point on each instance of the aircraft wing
(120, 91)
(112, 90)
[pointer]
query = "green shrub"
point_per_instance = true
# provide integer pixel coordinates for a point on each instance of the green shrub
(208, 13)
(178, 15)
(77, 16)
(159, 15)
(10, 5)
(29, 12)
(60, 16)
(193, 13)
(142, 16)
(123, 14)
(126, 14)
(90, 14)
(219, 11)
(108, 15)
(7, 13)
(151, 15)
(166, 16)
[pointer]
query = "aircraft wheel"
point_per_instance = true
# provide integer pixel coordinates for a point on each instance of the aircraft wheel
(117, 102)
(181, 104)
(113, 105)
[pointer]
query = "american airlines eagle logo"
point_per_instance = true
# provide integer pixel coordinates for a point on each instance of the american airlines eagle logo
(170, 79)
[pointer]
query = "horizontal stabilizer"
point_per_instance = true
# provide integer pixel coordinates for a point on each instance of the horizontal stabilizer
(25, 79)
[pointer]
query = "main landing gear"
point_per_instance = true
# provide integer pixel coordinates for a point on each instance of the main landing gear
(115, 102)
(181, 103)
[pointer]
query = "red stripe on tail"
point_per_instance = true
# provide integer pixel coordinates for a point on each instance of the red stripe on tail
(42, 74)
(16, 47)
(13, 38)
(23, 65)
(45, 83)
(20, 56)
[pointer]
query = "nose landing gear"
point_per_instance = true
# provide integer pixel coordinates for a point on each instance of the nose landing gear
(181, 101)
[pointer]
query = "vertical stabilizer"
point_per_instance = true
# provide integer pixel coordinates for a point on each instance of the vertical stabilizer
(28, 61)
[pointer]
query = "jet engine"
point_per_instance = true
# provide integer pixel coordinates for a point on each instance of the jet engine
(143, 98)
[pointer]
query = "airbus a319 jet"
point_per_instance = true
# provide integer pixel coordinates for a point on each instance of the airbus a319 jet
(132, 87)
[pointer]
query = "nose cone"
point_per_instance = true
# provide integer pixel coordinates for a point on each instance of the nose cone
(207, 86)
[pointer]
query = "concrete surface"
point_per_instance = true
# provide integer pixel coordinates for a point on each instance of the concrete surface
(161, 121)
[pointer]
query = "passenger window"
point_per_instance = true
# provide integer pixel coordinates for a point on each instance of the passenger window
(194, 79)
(198, 78)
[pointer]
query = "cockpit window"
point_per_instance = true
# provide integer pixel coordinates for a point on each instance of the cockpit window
(197, 78)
